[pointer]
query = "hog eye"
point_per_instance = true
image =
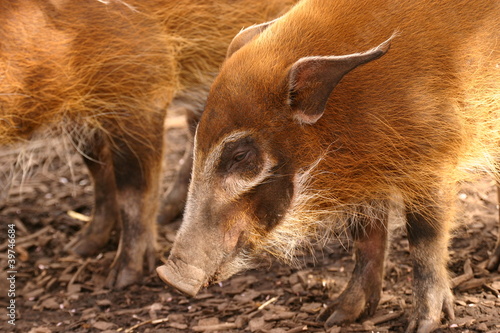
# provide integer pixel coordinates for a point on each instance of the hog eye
(240, 156)
(241, 160)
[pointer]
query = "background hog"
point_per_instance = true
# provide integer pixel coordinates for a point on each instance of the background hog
(280, 158)
(104, 72)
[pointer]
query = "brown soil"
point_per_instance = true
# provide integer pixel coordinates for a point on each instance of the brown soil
(56, 292)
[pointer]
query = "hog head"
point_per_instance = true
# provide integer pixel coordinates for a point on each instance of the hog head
(253, 152)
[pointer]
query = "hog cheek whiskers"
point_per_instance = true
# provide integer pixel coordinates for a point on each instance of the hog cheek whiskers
(303, 227)
(243, 260)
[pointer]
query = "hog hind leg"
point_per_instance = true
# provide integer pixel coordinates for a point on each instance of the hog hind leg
(362, 294)
(427, 222)
(176, 194)
(494, 262)
(137, 150)
(94, 236)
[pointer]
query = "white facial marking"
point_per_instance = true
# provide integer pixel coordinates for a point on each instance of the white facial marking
(236, 186)
(214, 155)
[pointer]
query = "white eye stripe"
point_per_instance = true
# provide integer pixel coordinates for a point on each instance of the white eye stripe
(236, 186)
(214, 155)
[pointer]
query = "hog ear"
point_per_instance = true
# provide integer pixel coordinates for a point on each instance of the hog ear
(246, 35)
(312, 79)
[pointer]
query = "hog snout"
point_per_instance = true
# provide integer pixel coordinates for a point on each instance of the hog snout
(195, 257)
(185, 277)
